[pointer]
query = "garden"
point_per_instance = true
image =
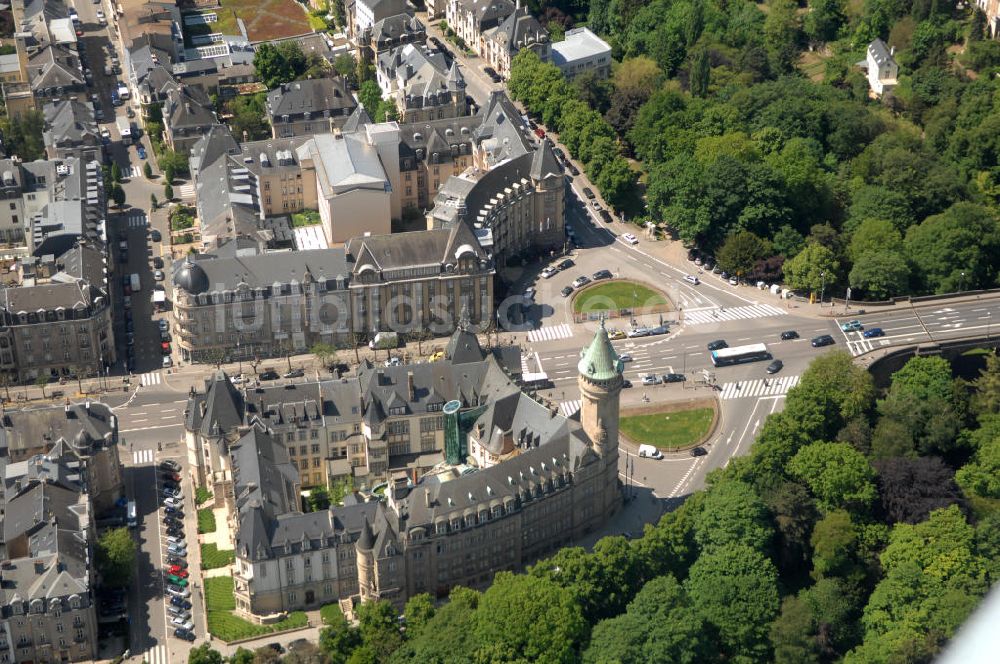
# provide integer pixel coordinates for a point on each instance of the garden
(616, 295)
(212, 557)
(265, 20)
(226, 625)
(668, 431)
(206, 521)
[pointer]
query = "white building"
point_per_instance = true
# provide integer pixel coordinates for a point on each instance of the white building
(369, 12)
(581, 51)
(882, 68)
(992, 10)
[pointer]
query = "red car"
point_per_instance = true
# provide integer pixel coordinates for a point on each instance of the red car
(165, 347)
(177, 571)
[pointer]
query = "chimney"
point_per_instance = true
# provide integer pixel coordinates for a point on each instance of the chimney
(427, 498)
(410, 391)
(892, 51)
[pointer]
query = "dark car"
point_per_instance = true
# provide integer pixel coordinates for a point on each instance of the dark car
(167, 484)
(268, 374)
(574, 171)
(276, 647)
(602, 274)
(559, 153)
(626, 383)
(294, 373)
(605, 216)
(566, 291)
(171, 521)
(181, 602)
(698, 451)
(775, 367)
(182, 633)
(718, 344)
(178, 562)
(822, 340)
(674, 378)
(171, 465)
(873, 332)
(170, 477)
(589, 193)
(565, 264)
(175, 531)
(155, 236)
(157, 262)
(492, 73)
(789, 334)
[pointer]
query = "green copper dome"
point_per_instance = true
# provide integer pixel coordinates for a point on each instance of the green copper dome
(599, 361)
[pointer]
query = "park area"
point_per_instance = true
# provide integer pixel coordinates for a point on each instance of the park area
(265, 20)
(668, 431)
(226, 625)
(615, 295)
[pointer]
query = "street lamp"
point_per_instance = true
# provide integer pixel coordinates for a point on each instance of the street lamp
(822, 289)
(961, 284)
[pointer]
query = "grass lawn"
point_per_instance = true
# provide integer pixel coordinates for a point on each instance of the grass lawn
(331, 614)
(617, 295)
(264, 19)
(225, 625)
(201, 495)
(668, 431)
(206, 521)
(305, 218)
(213, 558)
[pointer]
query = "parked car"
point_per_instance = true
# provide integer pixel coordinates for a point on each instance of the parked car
(171, 465)
(185, 634)
(268, 374)
(602, 274)
(157, 262)
(789, 334)
(164, 326)
(177, 581)
(171, 477)
(852, 326)
(589, 193)
(718, 344)
(873, 332)
(775, 367)
(178, 570)
(178, 612)
(177, 591)
(615, 333)
(651, 379)
(294, 373)
(581, 281)
(565, 264)
(566, 291)
(549, 272)
(174, 512)
(180, 602)
(155, 236)
(698, 451)
(605, 216)
(630, 238)
(625, 357)
(574, 171)
(173, 502)
(822, 340)
(141, 151)
(636, 332)
(674, 378)
(175, 533)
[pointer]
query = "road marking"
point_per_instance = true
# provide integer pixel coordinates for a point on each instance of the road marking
(141, 457)
(684, 479)
(186, 191)
(563, 331)
(157, 655)
(718, 314)
(155, 426)
(569, 408)
(763, 387)
(137, 221)
(151, 378)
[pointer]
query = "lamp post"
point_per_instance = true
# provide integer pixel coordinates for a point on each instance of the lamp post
(822, 289)
(961, 284)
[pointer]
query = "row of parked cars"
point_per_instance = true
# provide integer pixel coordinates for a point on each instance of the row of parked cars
(175, 570)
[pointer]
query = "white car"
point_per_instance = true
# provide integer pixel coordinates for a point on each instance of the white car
(549, 272)
(177, 591)
(100, 17)
(581, 281)
(183, 624)
(631, 239)
(174, 540)
(174, 502)
(164, 325)
(733, 281)
(167, 362)
(625, 357)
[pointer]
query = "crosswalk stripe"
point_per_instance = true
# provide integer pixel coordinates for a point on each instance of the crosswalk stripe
(140, 457)
(704, 316)
(157, 655)
(568, 408)
(563, 331)
(758, 388)
(151, 378)
(186, 191)
(137, 221)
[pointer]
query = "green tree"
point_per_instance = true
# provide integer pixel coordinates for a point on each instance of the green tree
(522, 618)
(824, 20)
(118, 195)
(448, 636)
(325, 353)
(168, 192)
(370, 96)
(346, 66)
(248, 117)
(740, 252)
(837, 474)
(959, 248)
(116, 172)
(379, 626)
(204, 654)
(874, 235)
(701, 73)
(925, 400)
(735, 589)
(22, 135)
(175, 162)
(115, 557)
(419, 611)
(879, 275)
(41, 381)
(733, 514)
(782, 32)
(339, 639)
(835, 544)
(153, 203)
(986, 398)
(817, 625)
(279, 64)
(319, 499)
(241, 656)
(147, 170)
(812, 268)
(981, 475)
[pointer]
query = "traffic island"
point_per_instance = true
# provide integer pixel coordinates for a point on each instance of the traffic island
(617, 298)
(671, 427)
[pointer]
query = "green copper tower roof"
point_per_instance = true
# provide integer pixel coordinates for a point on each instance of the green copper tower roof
(599, 361)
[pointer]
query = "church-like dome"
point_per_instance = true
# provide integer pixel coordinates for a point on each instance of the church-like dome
(191, 277)
(82, 440)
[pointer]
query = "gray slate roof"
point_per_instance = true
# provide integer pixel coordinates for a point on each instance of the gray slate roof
(315, 96)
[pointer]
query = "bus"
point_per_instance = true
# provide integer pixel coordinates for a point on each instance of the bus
(132, 515)
(740, 354)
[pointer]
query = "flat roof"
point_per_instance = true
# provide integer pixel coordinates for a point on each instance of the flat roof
(580, 43)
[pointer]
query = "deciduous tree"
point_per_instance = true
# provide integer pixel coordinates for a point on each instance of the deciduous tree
(115, 557)
(837, 474)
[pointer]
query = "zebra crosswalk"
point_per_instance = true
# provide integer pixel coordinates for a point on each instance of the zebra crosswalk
(140, 457)
(185, 191)
(151, 378)
(137, 221)
(715, 315)
(133, 172)
(569, 408)
(156, 655)
(563, 331)
(763, 387)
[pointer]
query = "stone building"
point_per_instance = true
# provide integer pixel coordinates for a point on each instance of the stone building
(313, 106)
(520, 30)
(421, 84)
(474, 20)
(458, 523)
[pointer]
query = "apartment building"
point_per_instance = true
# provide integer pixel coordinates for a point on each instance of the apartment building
(474, 20)
(421, 84)
(455, 523)
(520, 30)
(314, 106)
(581, 51)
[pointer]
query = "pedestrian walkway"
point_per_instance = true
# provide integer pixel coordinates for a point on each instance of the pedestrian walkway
(569, 408)
(156, 655)
(563, 331)
(137, 220)
(186, 191)
(715, 315)
(133, 172)
(764, 387)
(151, 378)
(140, 457)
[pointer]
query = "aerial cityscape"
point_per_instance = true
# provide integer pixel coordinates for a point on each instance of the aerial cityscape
(490, 331)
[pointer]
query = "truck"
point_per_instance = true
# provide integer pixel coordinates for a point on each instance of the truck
(135, 283)
(125, 129)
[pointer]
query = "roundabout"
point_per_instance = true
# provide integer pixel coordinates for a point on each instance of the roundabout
(618, 296)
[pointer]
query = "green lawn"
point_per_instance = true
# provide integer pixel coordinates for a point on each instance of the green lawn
(305, 218)
(617, 295)
(331, 614)
(224, 624)
(202, 495)
(668, 431)
(213, 558)
(206, 521)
